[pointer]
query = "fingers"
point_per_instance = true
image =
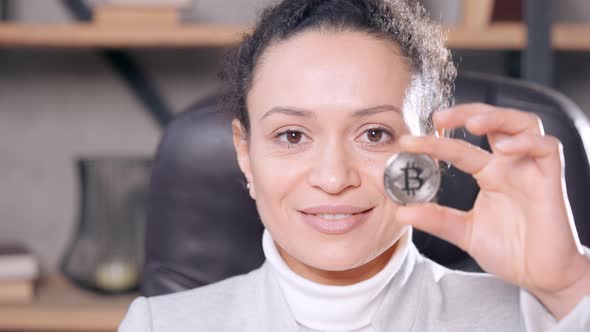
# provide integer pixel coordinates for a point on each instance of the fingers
(463, 155)
(547, 150)
(482, 119)
(531, 145)
(446, 223)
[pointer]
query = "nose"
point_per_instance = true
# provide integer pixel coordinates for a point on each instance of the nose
(334, 170)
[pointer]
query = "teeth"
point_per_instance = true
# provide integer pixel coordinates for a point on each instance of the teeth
(334, 216)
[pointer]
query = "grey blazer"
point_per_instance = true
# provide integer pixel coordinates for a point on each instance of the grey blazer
(422, 296)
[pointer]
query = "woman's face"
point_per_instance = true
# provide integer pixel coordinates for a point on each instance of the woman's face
(325, 116)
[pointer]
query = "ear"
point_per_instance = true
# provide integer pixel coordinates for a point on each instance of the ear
(242, 147)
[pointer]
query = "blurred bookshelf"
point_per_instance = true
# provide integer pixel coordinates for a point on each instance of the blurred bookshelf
(61, 306)
(495, 36)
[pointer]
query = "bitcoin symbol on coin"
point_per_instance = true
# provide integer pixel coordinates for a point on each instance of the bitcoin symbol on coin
(412, 177)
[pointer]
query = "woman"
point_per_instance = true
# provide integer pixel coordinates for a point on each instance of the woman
(323, 93)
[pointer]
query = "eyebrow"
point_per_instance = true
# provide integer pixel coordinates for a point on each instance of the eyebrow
(298, 112)
(376, 110)
(289, 111)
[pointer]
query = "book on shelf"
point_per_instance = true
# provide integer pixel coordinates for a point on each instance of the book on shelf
(19, 270)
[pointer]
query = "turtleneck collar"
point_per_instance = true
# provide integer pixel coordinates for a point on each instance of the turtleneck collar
(334, 308)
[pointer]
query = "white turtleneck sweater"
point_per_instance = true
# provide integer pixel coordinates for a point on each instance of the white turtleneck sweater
(351, 308)
(334, 308)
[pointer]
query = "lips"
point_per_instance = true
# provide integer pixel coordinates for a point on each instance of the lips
(334, 209)
(335, 219)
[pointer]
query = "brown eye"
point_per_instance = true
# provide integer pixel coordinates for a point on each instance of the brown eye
(293, 137)
(374, 135)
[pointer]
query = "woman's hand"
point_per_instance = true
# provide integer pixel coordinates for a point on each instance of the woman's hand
(521, 228)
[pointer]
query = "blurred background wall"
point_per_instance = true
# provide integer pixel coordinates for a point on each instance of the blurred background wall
(59, 105)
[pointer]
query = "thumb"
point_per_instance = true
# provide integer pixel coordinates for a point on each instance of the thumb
(449, 224)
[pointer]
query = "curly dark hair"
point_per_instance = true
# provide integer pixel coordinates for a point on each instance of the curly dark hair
(404, 22)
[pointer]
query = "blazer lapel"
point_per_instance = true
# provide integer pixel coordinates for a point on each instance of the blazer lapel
(398, 309)
(274, 310)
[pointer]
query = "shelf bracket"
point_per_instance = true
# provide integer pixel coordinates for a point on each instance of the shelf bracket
(4, 10)
(538, 58)
(129, 71)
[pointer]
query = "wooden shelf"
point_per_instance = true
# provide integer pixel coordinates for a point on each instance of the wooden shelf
(91, 35)
(61, 306)
(513, 36)
(499, 36)
(570, 37)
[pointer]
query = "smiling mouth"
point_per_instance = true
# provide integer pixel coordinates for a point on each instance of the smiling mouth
(335, 223)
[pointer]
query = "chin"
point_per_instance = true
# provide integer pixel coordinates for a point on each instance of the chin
(343, 256)
(337, 266)
(336, 260)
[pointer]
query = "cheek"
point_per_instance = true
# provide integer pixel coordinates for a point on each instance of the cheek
(373, 168)
(277, 175)
(275, 181)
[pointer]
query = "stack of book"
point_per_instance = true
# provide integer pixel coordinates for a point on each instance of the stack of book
(19, 269)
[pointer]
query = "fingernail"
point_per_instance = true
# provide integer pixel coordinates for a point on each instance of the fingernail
(444, 111)
(441, 115)
(406, 140)
(404, 214)
(476, 120)
(503, 143)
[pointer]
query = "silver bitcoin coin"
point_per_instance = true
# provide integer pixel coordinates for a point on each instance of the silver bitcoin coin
(411, 178)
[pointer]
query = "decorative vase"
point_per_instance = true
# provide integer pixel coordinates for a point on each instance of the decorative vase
(106, 252)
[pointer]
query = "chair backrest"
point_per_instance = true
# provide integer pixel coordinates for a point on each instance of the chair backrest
(203, 227)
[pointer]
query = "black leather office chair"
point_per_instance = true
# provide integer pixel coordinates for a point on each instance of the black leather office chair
(203, 227)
